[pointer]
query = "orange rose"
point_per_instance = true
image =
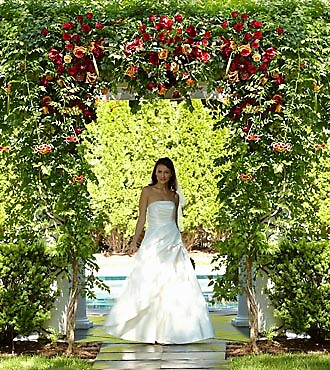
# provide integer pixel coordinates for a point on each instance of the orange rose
(256, 57)
(190, 82)
(163, 54)
(79, 51)
(67, 59)
(245, 50)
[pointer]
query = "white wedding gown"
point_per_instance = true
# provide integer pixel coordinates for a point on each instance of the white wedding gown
(161, 300)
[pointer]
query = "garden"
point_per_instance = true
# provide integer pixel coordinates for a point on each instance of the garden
(252, 151)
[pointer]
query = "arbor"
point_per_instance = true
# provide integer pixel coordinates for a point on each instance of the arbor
(56, 61)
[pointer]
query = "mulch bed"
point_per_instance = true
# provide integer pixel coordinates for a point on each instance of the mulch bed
(90, 350)
(277, 346)
(86, 351)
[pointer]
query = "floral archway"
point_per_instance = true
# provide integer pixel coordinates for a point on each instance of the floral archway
(244, 64)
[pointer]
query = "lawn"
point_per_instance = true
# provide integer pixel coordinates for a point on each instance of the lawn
(281, 362)
(43, 363)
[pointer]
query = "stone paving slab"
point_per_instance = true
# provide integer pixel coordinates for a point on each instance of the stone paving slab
(203, 355)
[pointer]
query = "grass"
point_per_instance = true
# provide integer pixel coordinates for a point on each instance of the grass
(43, 363)
(281, 362)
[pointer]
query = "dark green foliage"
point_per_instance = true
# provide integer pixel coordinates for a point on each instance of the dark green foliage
(300, 273)
(27, 272)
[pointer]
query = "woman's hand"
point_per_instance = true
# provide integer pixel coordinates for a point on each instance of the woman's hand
(133, 248)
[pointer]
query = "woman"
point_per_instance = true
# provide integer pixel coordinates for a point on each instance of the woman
(161, 301)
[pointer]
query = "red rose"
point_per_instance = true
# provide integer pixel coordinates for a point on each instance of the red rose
(191, 31)
(244, 17)
(89, 15)
(238, 26)
(279, 30)
(279, 80)
(263, 67)
(85, 28)
(68, 26)
(99, 25)
(178, 18)
(146, 37)
(69, 47)
(207, 34)
(66, 36)
(143, 28)
(205, 57)
(80, 18)
(256, 24)
(248, 36)
(76, 38)
(60, 69)
(152, 17)
(161, 36)
(225, 24)
(252, 69)
(153, 58)
(254, 44)
(257, 35)
(176, 94)
(234, 14)
(72, 70)
(44, 32)
(55, 56)
(44, 81)
(150, 86)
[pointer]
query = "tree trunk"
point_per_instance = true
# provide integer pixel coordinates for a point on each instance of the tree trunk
(252, 305)
(72, 304)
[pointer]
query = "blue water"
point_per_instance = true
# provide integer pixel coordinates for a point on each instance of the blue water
(104, 300)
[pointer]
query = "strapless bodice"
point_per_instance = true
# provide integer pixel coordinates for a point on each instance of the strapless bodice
(160, 212)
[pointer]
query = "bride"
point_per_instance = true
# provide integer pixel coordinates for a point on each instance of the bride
(161, 301)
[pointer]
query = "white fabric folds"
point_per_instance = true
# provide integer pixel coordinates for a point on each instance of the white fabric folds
(161, 300)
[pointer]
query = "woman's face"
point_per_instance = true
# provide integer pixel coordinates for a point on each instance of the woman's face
(163, 174)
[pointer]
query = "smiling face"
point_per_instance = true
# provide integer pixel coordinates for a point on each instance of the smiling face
(163, 174)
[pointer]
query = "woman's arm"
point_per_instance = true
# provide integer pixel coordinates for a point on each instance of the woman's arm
(141, 220)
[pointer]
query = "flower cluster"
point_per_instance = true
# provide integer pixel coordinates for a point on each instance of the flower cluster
(247, 177)
(320, 146)
(77, 60)
(71, 139)
(166, 53)
(78, 179)
(43, 149)
(4, 148)
(281, 147)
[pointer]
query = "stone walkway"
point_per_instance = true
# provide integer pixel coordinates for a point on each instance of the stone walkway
(119, 354)
(204, 355)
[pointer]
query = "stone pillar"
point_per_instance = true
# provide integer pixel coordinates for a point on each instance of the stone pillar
(242, 318)
(57, 320)
(82, 321)
(266, 319)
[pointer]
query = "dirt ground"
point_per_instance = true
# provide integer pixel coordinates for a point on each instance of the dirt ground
(277, 346)
(91, 349)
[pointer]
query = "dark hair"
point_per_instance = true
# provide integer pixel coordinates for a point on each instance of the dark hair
(172, 184)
